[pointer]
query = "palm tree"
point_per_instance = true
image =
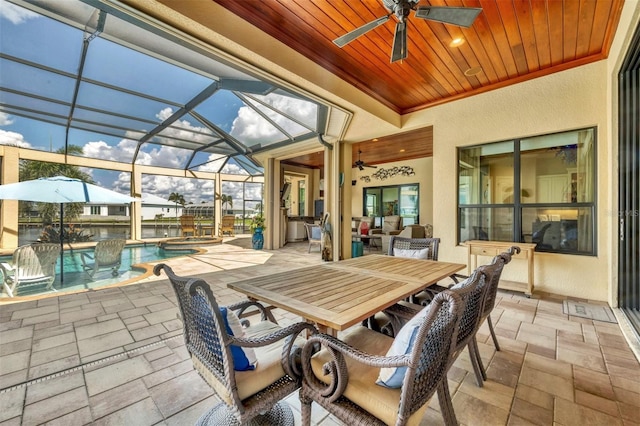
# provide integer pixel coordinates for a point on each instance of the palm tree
(226, 200)
(32, 169)
(178, 199)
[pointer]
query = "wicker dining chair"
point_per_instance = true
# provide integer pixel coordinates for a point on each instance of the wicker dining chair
(474, 292)
(424, 248)
(492, 292)
(219, 347)
(368, 378)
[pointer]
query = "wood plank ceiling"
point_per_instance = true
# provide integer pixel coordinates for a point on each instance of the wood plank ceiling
(511, 41)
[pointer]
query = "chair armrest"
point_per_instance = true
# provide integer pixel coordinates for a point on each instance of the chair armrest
(394, 232)
(337, 367)
(84, 256)
(375, 231)
(241, 307)
(6, 267)
(291, 353)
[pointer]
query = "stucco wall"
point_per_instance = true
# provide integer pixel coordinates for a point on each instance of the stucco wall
(423, 168)
(567, 100)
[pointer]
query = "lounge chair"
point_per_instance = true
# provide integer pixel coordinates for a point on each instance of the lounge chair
(30, 265)
(106, 255)
(226, 225)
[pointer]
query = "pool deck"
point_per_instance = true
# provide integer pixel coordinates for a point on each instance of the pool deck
(116, 356)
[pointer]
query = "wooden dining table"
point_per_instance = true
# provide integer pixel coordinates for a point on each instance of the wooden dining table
(338, 295)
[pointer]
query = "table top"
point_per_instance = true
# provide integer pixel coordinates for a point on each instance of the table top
(338, 295)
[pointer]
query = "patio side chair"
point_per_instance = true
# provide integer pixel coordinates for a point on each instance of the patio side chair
(368, 378)
(314, 235)
(106, 255)
(30, 265)
(188, 225)
(250, 367)
(227, 223)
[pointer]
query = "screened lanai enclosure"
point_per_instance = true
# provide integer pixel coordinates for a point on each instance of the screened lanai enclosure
(98, 89)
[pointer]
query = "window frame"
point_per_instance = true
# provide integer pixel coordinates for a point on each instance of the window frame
(518, 206)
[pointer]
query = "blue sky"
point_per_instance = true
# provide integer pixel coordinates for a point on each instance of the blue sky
(157, 89)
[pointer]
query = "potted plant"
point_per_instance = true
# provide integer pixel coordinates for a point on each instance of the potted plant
(257, 226)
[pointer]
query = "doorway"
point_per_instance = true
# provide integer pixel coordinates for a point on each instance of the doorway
(629, 184)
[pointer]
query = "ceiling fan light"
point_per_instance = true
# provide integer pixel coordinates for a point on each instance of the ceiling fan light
(473, 71)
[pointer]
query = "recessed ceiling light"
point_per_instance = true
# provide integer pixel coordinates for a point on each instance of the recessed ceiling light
(456, 42)
(402, 150)
(473, 71)
(375, 139)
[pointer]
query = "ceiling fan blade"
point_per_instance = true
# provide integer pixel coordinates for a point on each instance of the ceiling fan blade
(461, 16)
(352, 35)
(399, 42)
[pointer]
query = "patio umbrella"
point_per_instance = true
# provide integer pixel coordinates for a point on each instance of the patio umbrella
(61, 189)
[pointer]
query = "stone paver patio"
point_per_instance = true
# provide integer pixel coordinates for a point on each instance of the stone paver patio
(116, 356)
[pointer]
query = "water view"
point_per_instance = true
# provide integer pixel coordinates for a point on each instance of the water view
(76, 279)
(30, 234)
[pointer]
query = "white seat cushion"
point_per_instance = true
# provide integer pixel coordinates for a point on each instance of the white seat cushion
(268, 369)
(362, 390)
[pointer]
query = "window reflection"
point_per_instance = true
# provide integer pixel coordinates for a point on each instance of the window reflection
(544, 195)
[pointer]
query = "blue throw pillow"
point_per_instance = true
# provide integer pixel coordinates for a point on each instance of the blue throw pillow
(392, 377)
(243, 358)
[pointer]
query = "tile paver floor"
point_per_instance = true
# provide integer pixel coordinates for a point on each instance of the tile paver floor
(116, 356)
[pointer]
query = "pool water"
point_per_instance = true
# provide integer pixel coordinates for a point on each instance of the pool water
(76, 279)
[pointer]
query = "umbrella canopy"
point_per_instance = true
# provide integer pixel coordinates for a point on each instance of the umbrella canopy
(61, 189)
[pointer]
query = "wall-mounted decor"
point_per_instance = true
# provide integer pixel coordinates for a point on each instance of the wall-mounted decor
(383, 173)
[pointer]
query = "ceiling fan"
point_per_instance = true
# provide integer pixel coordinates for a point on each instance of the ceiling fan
(461, 16)
(361, 164)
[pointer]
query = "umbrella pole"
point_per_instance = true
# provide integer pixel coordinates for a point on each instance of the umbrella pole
(61, 245)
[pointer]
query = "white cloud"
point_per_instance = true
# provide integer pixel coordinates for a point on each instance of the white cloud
(250, 127)
(5, 119)
(16, 15)
(13, 138)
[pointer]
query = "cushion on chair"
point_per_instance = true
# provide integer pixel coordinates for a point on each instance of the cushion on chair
(402, 345)
(268, 369)
(414, 254)
(380, 401)
(316, 232)
(243, 358)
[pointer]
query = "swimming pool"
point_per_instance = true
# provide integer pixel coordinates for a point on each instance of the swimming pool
(76, 279)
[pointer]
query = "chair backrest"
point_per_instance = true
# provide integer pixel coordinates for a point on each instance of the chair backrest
(492, 291)
(472, 292)
(228, 221)
(38, 259)
(431, 354)
(109, 252)
(314, 232)
(187, 222)
(404, 243)
(392, 223)
(205, 333)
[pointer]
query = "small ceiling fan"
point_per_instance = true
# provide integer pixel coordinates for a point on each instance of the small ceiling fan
(461, 16)
(361, 164)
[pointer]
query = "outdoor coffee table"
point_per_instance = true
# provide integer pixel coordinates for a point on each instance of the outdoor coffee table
(338, 295)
